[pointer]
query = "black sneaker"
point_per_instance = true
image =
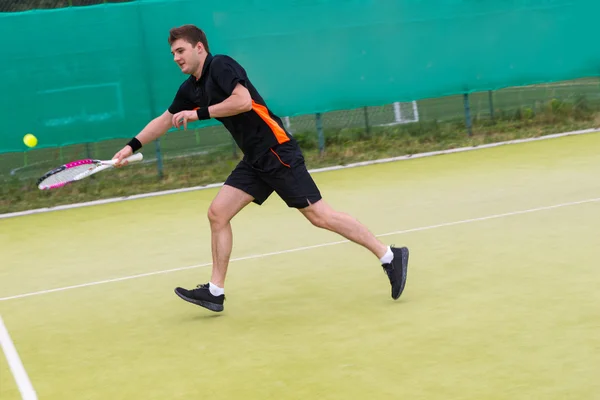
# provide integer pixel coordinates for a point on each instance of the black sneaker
(396, 270)
(202, 297)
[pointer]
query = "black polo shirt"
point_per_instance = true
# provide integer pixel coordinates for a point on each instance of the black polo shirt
(254, 131)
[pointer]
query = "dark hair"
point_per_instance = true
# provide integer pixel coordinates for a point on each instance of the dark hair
(190, 33)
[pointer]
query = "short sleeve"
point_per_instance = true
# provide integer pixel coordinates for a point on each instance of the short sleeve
(181, 102)
(228, 73)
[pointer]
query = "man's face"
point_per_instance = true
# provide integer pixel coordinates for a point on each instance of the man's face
(186, 55)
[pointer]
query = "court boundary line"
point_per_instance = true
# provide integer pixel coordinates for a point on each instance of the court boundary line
(312, 171)
(316, 246)
(15, 365)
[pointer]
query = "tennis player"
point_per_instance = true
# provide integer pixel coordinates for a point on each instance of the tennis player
(218, 87)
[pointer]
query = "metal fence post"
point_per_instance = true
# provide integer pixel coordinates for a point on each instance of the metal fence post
(159, 160)
(234, 147)
(367, 126)
(491, 105)
(468, 114)
(319, 123)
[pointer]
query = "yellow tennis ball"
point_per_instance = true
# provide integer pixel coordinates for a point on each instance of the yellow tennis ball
(30, 140)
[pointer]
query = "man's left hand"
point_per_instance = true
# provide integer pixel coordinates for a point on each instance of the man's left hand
(183, 117)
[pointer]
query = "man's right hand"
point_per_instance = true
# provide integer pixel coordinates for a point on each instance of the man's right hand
(121, 155)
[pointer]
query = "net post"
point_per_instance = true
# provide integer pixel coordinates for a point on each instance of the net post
(468, 114)
(319, 123)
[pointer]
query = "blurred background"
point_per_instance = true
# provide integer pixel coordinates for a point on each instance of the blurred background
(352, 80)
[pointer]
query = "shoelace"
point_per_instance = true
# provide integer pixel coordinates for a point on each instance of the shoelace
(204, 286)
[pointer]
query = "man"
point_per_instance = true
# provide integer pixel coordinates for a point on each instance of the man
(218, 87)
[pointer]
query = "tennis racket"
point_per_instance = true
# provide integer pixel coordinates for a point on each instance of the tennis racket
(77, 170)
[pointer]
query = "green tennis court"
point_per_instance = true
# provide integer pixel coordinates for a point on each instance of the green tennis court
(501, 300)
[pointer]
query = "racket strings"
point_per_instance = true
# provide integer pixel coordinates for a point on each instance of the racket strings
(64, 175)
(78, 170)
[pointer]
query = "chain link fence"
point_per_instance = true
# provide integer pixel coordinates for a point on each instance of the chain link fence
(317, 130)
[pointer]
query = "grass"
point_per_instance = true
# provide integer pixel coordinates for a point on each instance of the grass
(343, 145)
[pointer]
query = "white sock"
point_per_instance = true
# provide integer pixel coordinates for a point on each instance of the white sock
(387, 257)
(215, 290)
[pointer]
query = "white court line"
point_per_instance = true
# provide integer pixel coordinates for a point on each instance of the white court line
(312, 171)
(316, 246)
(15, 365)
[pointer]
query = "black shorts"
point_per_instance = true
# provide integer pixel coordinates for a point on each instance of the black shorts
(281, 169)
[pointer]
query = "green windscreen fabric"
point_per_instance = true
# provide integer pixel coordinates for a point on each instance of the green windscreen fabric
(84, 74)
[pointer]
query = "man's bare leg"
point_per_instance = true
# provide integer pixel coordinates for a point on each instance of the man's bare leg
(228, 202)
(323, 216)
(225, 206)
(393, 260)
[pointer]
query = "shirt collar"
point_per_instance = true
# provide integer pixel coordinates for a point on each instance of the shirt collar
(207, 61)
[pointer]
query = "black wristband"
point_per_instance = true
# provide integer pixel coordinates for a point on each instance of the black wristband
(203, 113)
(135, 144)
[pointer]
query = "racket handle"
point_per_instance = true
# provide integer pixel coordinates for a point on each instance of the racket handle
(131, 159)
(135, 157)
